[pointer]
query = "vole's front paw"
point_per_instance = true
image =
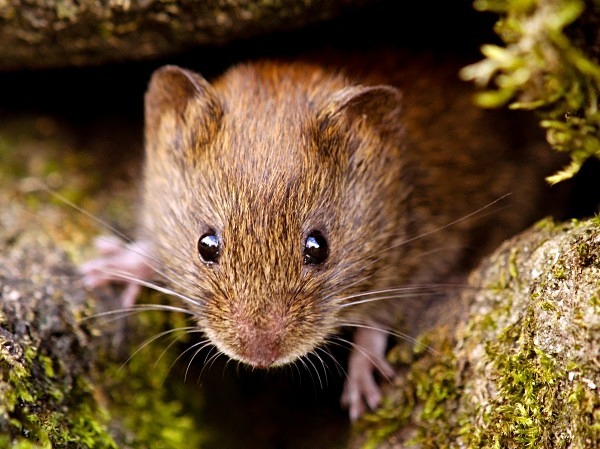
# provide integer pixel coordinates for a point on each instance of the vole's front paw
(118, 262)
(368, 356)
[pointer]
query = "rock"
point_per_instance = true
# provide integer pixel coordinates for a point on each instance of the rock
(64, 381)
(522, 370)
(60, 33)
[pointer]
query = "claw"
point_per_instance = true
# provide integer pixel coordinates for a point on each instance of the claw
(361, 387)
(116, 259)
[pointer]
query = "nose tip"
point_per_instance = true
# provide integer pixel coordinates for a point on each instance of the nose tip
(263, 360)
(261, 348)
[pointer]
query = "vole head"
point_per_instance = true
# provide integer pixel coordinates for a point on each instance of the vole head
(269, 197)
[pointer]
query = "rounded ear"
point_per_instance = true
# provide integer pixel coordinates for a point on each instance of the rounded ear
(377, 106)
(183, 96)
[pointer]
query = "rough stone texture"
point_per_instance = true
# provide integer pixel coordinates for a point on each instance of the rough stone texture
(46, 360)
(523, 370)
(54, 33)
(60, 379)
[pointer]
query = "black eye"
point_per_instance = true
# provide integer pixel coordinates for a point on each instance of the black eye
(209, 248)
(315, 249)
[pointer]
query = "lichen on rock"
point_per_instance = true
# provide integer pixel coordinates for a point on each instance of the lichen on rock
(522, 371)
(62, 379)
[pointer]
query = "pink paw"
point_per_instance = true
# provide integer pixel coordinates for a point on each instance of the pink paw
(368, 356)
(119, 262)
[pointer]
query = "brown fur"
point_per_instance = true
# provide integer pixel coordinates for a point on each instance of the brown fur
(271, 151)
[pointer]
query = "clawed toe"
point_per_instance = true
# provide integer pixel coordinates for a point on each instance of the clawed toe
(361, 388)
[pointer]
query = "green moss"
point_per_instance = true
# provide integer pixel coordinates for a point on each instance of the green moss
(541, 69)
(520, 374)
(141, 397)
(559, 271)
(41, 417)
(424, 398)
(522, 413)
(535, 397)
(46, 413)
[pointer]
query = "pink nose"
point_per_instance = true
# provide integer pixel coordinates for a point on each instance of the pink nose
(260, 348)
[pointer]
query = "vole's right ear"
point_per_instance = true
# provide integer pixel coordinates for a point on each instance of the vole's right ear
(178, 99)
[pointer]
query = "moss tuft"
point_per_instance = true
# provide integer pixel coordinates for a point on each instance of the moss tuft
(40, 417)
(541, 69)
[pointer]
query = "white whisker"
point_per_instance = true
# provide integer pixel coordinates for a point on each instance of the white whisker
(175, 339)
(210, 362)
(340, 369)
(368, 354)
(84, 212)
(475, 213)
(202, 343)
(151, 340)
(382, 298)
(127, 277)
(307, 368)
(394, 333)
(139, 308)
(322, 385)
(131, 245)
(346, 287)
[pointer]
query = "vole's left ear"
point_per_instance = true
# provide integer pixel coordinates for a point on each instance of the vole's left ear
(376, 106)
(180, 107)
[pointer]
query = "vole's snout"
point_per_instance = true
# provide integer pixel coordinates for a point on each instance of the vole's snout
(260, 341)
(260, 348)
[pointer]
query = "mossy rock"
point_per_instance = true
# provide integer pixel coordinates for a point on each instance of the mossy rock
(62, 381)
(522, 371)
(61, 33)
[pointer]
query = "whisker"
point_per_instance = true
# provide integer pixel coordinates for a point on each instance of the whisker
(346, 287)
(406, 287)
(131, 245)
(202, 343)
(149, 341)
(325, 366)
(382, 298)
(385, 297)
(139, 308)
(475, 214)
(306, 367)
(209, 356)
(190, 330)
(97, 220)
(370, 356)
(210, 362)
(295, 366)
(321, 384)
(394, 333)
(187, 369)
(127, 277)
(448, 225)
(340, 369)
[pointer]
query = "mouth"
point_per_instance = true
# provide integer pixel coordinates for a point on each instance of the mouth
(261, 349)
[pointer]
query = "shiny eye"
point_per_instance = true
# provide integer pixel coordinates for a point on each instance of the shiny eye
(209, 248)
(315, 249)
